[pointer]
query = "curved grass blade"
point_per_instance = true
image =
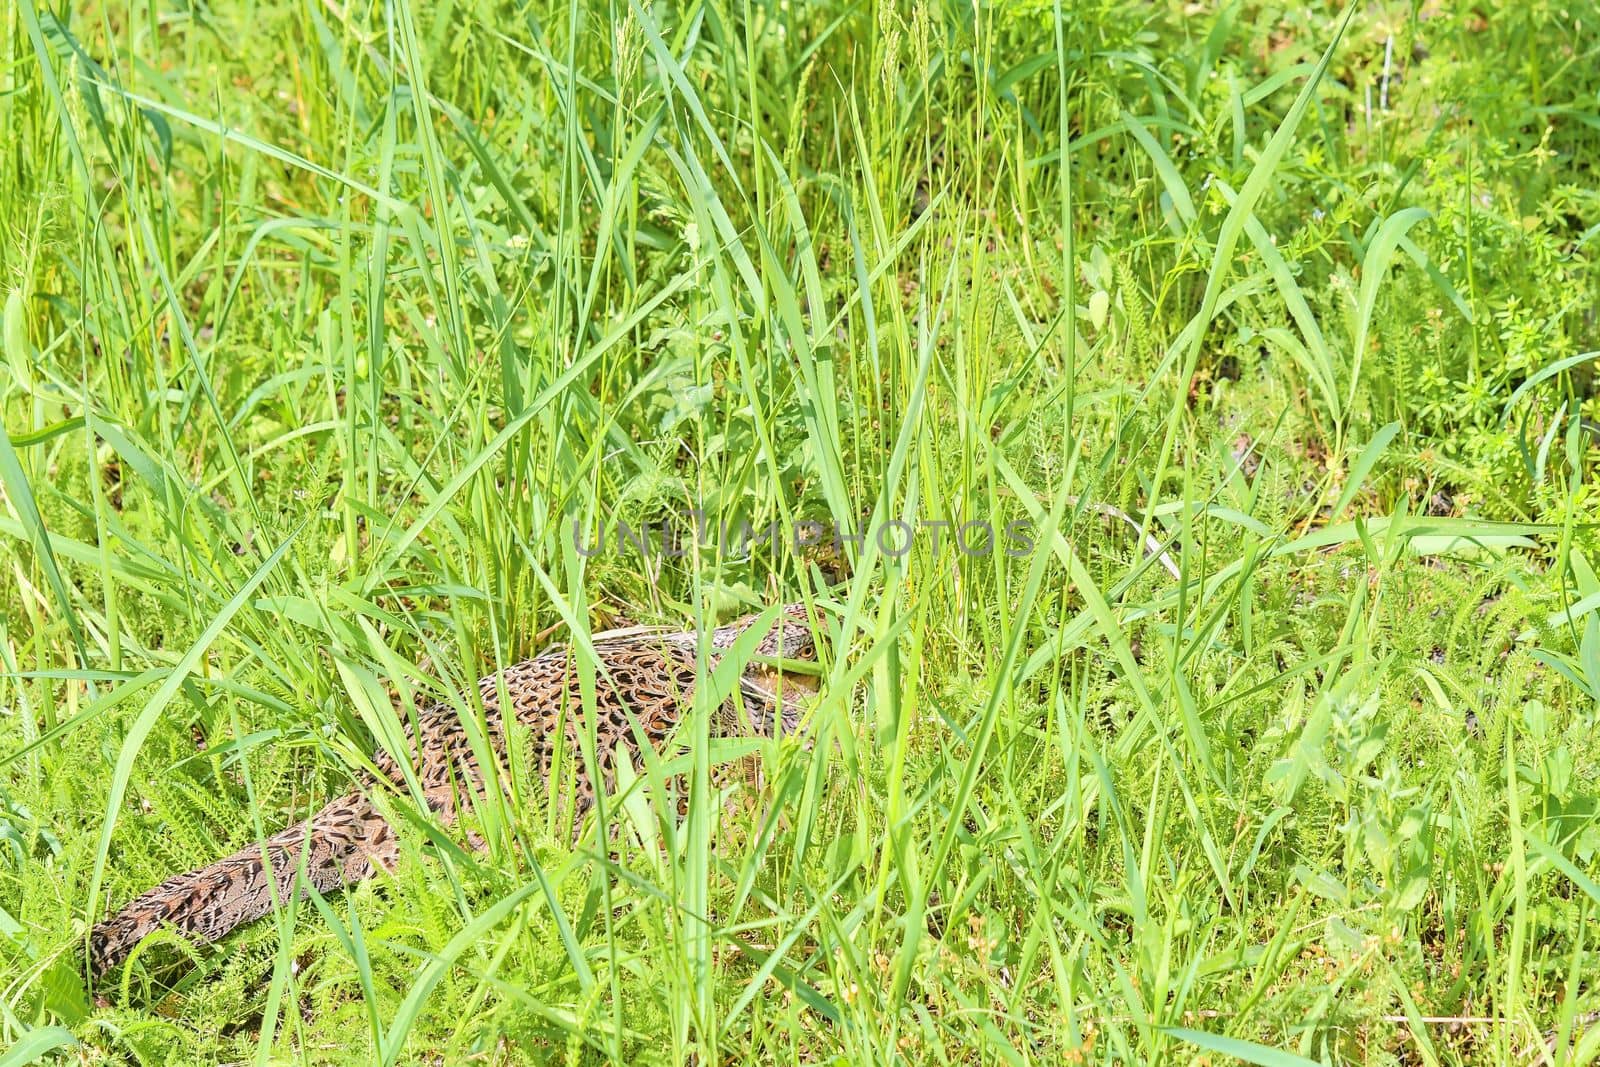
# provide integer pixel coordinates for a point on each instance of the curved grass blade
(15, 482)
(37, 1044)
(1248, 1051)
(1363, 465)
(1374, 268)
(146, 721)
(405, 1017)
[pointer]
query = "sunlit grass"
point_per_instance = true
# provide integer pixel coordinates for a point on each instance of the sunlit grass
(334, 335)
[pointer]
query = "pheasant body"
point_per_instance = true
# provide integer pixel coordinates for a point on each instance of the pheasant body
(646, 679)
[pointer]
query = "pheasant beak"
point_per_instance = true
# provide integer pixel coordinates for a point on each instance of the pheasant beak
(788, 691)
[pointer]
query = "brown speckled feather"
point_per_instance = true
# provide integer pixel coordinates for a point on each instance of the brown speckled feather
(648, 674)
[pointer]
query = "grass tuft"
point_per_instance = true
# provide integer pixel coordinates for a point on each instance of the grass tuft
(1260, 338)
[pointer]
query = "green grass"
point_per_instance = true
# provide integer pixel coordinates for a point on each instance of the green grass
(324, 324)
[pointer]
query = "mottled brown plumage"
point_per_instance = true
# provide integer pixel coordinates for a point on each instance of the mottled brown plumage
(644, 677)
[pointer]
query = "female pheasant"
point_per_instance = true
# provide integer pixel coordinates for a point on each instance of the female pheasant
(643, 677)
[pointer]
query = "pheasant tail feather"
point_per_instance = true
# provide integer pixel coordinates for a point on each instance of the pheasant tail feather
(347, 841)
